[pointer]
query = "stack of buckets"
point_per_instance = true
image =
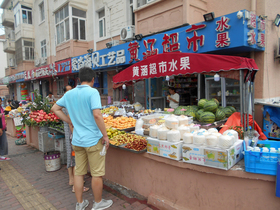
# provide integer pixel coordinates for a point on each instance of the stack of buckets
(24, 92)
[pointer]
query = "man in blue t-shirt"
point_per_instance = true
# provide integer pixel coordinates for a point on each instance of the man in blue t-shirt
(83, 104)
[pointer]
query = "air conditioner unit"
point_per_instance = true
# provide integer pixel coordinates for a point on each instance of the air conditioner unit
(37, 62)
(12, 62)
(127, 33)
(277, 52)
(43, 60)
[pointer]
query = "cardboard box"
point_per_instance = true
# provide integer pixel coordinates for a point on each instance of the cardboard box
(153, 146)
(213, 157)
(270, 128)
(171, 150)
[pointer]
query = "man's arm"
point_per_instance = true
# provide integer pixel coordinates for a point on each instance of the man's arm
(58, 111)
(101, 125)
(171, 99)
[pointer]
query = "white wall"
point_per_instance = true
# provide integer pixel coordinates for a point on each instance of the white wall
(3, 59)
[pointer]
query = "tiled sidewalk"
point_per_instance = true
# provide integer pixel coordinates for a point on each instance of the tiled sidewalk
(25, 184)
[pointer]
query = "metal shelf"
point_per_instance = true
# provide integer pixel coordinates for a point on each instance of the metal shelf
(233, 95)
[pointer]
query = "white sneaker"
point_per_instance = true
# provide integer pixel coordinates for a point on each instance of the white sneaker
(103, 204)
(82, 206)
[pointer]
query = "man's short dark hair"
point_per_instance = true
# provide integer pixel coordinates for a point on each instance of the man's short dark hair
(86, 74)
(50, 93)
(64, 89)
(171, 88)
(9, 101)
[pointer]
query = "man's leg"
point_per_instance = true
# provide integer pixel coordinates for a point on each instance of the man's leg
(97, 187)
(78, 186)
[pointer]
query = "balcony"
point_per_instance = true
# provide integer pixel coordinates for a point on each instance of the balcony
(9, 46)
(8, 18)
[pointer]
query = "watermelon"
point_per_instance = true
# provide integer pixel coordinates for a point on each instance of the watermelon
(207, 117)
(190, 113)
(202, 102)
(195, 108)
(231, 108)
(220, 115)
(198, 114)
(216, 101)
(179, 111)
(227, 111)
(210, 106)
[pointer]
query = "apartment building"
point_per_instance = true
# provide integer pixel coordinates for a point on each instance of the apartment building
(44, 35)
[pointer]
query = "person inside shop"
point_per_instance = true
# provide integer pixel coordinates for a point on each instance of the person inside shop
(173, 98)
(70, 155)
(83, 104)
(51, 98)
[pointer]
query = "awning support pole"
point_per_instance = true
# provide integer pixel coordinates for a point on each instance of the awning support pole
(241, 95)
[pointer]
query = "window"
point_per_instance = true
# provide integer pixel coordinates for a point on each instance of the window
(143, 2)
(102, 26)
(79, 24)
(60, 86)
(28, 50)
(62, 25)
(17, 19)
(42, 11)
(43, 49)
(131, 13)
(26, 15)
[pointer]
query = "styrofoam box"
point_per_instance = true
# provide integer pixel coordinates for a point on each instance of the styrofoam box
(213, 157)
(171, 150)
(153, 146)
(59, 145)
(45, 143)
(63, 158)
(116, 103)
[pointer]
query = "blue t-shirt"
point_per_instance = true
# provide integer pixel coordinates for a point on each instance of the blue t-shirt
(80, 102)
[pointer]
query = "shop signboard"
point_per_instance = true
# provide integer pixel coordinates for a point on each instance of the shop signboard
(6, 80)
(12, 78)
(63, 67)
(41, 72)
(227, 34)
(19, 77)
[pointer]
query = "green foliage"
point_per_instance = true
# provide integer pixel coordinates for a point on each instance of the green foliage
(38, 103)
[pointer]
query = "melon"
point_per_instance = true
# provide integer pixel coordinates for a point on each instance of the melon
(202, 102)
(220, 115)
(207, 117)
(190, 113)
(231, 108)
(198, 114)
(227, 111)
(216, 101)
(210, 106)
(179, 111)
(195, 108)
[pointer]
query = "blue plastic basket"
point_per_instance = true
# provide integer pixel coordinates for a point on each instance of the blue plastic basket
(258, 162)
(54, 136)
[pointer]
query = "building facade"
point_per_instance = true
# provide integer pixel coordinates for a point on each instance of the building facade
(43, 34)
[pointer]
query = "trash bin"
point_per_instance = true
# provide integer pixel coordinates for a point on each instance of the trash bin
(52, 161)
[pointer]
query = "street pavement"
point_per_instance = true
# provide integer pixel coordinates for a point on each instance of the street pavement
(25, 184)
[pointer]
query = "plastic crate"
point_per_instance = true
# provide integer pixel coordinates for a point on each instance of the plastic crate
(59, 145)
(257, 162)
(63, 158)
(45, 143)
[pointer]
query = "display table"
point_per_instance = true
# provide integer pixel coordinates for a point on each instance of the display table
(32, 136)
(11, 129)
(170, 184)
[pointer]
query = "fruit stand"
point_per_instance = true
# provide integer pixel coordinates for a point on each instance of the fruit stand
(164, 174)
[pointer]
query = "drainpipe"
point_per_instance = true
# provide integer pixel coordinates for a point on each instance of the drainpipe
(50, 38)
(95, 27)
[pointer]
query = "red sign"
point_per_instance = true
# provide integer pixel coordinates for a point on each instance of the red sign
(41, 72)
(175, 63)
(63, 67)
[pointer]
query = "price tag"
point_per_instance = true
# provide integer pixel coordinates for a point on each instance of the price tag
(17, 121)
